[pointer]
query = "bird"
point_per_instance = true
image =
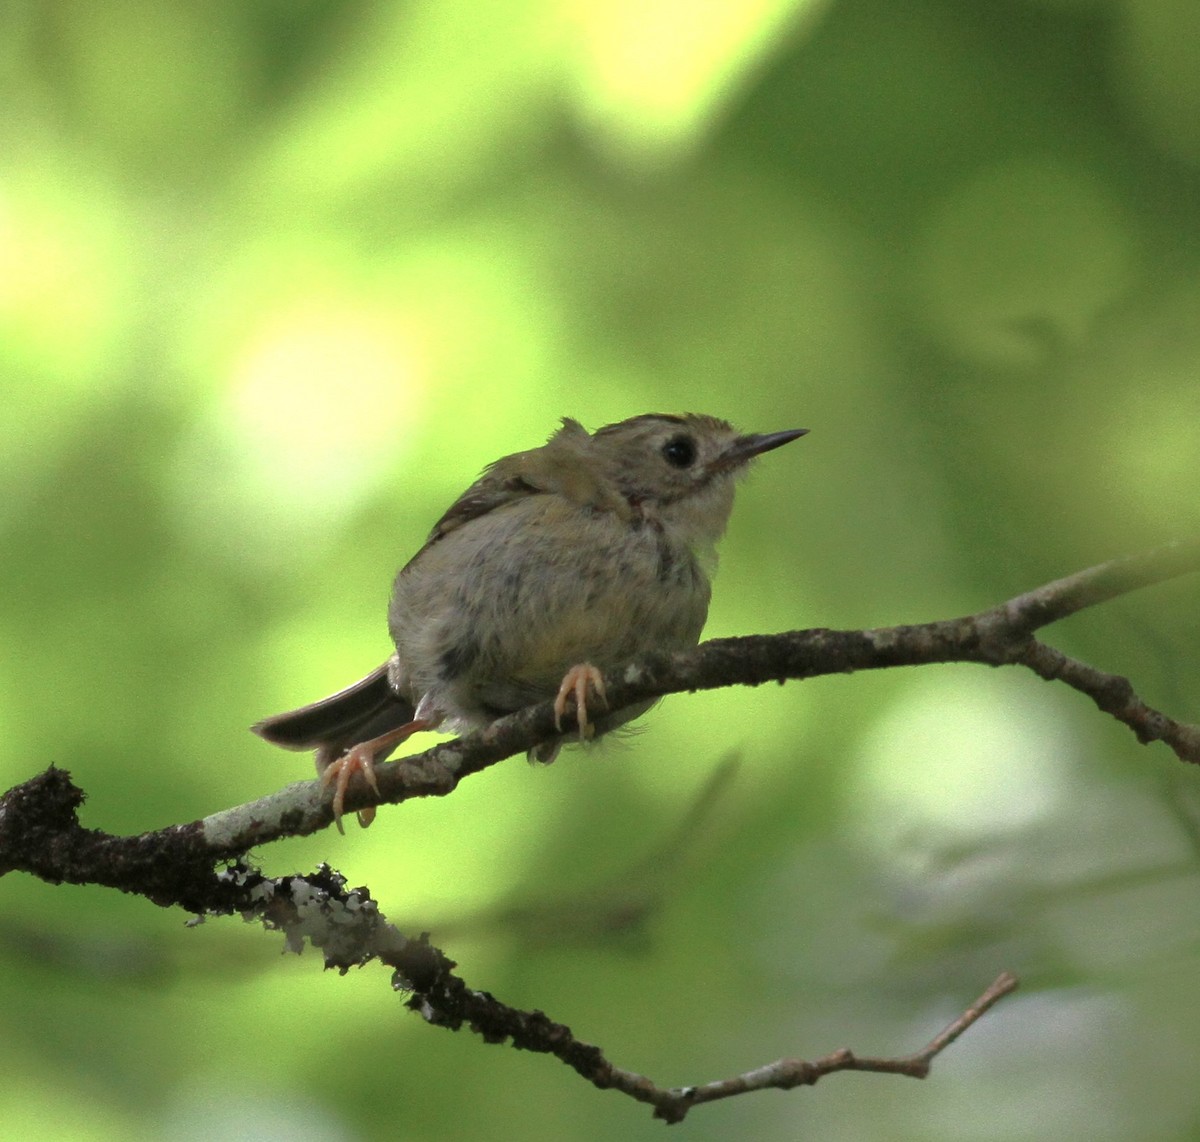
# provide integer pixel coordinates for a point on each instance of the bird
(554, 567)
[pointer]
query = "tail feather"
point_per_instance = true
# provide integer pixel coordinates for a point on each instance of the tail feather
(356, 714)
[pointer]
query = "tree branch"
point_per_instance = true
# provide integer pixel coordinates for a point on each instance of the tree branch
(351, 931)
(40, 832)
(999, 636)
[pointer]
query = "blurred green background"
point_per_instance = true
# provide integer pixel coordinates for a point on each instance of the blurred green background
(278, 278)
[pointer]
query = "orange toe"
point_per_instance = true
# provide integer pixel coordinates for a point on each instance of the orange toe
(361, 759)
(576, 684)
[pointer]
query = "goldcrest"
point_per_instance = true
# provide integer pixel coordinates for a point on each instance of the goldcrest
(554, 567)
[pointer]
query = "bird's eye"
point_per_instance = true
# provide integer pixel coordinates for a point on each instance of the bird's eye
(680, 451)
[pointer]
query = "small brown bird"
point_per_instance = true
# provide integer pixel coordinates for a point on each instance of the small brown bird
(556, 565)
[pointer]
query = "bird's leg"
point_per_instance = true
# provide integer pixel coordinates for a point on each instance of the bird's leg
(576, 683)
(361, 759)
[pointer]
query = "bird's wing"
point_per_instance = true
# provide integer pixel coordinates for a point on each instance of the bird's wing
(563, 466)
(499, 485)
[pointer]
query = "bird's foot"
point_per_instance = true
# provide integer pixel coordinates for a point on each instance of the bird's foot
(576, 684)
(361, 759)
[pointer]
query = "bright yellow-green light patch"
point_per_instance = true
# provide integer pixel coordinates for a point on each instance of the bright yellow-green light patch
(650, 77)
(487, 321)
(426, 93)
(64, 310)
(963, 756)
(60, 279)
(320, 400)
(447, 857)
(320, 396)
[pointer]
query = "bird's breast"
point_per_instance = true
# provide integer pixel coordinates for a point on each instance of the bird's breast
(493, 614)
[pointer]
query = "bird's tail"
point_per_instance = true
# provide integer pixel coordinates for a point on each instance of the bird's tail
(333, 725)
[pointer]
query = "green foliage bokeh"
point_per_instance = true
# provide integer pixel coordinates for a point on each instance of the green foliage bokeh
(278, 279)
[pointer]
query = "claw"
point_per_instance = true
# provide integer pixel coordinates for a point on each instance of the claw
(361, 759)
(575, 684)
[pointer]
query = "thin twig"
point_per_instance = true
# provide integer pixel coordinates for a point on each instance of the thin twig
(784, 1074)
(1114, 695)
(351, 931)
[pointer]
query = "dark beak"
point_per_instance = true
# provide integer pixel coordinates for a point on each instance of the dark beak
(745, 448)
